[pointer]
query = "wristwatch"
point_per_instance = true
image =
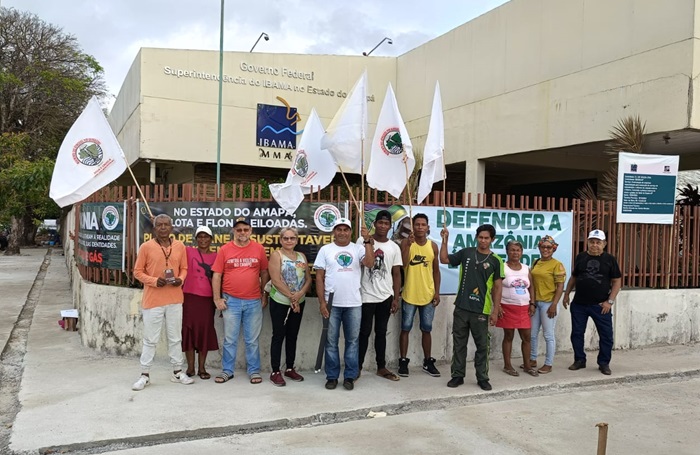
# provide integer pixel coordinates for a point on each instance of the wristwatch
(367, 241)
(611, 302)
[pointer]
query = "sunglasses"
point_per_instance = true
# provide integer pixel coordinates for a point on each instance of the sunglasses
(288, 239)
(546, 247)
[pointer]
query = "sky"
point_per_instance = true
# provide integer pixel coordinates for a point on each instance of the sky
(113, 31)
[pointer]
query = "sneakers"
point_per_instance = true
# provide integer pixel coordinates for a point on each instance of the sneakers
(293, 375)
(577, 365)
(349, 384)
(429, 367)
(605, 369)
(277, 379)
(141, 383)
(455, 382)
(403, 367)
(485, 385)
(182, 378)
(331, 384)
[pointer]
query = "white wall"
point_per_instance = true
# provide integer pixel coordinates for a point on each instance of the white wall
(110, 322)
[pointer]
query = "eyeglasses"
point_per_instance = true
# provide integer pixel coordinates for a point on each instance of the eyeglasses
(242, 229)
(546, 247)
(288, 239)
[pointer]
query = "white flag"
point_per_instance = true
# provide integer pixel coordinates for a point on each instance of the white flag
(312, 167)
(348, 129)
(392, 153)
(89, 158)
(433, 159)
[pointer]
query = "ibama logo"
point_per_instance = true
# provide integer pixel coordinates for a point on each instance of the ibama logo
(277, 126)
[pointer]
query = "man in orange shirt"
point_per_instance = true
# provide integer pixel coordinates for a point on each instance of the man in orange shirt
(161, 266)
(240, 271)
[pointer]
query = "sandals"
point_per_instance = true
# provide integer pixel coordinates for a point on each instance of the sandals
(255, 378)
(532, 372)
(511, 372)
(224, 377)
(386, 374)
(203, 375)
(533, 364)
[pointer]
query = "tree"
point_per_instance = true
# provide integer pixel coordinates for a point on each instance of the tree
(45, 81)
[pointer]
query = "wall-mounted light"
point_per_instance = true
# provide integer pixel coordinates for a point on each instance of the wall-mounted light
(387, 39)
(262, 35)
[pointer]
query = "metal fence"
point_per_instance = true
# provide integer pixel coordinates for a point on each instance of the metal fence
(650, 255)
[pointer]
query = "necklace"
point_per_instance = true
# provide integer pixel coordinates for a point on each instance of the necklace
(476, 258)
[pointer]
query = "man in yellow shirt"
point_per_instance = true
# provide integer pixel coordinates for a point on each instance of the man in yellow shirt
(421, 292)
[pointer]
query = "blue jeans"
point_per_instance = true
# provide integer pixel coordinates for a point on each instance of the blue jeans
(426, 314)
(249, 314)
(603, 323)
(350, 318)
(540, 319)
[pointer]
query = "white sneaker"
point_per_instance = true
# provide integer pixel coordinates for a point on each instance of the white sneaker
(141, 383)
(182, 378)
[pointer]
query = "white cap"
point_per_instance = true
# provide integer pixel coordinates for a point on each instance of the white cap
(342, 222)
(596, 234)
(204, 229)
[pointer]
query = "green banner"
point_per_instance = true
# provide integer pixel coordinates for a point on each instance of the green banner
(313, 220)
(101, 235)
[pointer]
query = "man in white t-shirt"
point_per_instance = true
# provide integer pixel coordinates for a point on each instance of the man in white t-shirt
(338, 273)
(381, 289)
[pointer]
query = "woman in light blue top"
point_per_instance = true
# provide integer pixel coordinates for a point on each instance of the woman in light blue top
(291, 280)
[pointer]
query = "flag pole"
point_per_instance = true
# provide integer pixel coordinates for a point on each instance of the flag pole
(362, 198)
(352, 196)
(408, 186)
(444, 190)
(137, 186)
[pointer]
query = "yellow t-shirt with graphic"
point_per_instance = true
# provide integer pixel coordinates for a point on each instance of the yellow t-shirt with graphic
(546, 275)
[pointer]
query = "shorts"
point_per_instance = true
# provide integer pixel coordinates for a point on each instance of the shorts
(426, 314)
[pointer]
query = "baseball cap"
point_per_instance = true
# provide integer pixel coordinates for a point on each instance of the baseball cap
(342, 222)
(383, 215)
(241, 219)
(204, 229)
(596, 234)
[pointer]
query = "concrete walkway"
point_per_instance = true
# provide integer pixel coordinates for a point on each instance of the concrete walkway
(74, 400)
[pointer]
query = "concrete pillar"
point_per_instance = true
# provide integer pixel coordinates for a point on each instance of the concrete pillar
(475, 176)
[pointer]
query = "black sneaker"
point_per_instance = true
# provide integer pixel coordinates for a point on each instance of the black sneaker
(429, 367)
(485, 385)
(349, 384)
(403, 367)
(455, 382)
(331, 384)
(577, 365)
(605, 369)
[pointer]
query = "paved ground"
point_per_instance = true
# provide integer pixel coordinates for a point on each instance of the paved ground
(74, 400)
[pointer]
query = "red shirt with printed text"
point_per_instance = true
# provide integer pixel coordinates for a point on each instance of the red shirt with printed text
(240, 268)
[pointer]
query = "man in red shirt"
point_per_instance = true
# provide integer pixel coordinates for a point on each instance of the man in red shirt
(240, 271)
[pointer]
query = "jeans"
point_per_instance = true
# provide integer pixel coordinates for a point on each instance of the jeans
(152, 325)
(285, 329)
(538, 319)
(603, 323)
(350, 318)
(380, 313)
(426, 313)
(249, 314)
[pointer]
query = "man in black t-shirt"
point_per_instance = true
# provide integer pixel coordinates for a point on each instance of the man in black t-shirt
(597, 279)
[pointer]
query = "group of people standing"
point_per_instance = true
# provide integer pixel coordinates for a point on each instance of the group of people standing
(359, 286)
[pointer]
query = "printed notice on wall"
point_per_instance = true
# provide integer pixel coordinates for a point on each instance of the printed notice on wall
(646, 188)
